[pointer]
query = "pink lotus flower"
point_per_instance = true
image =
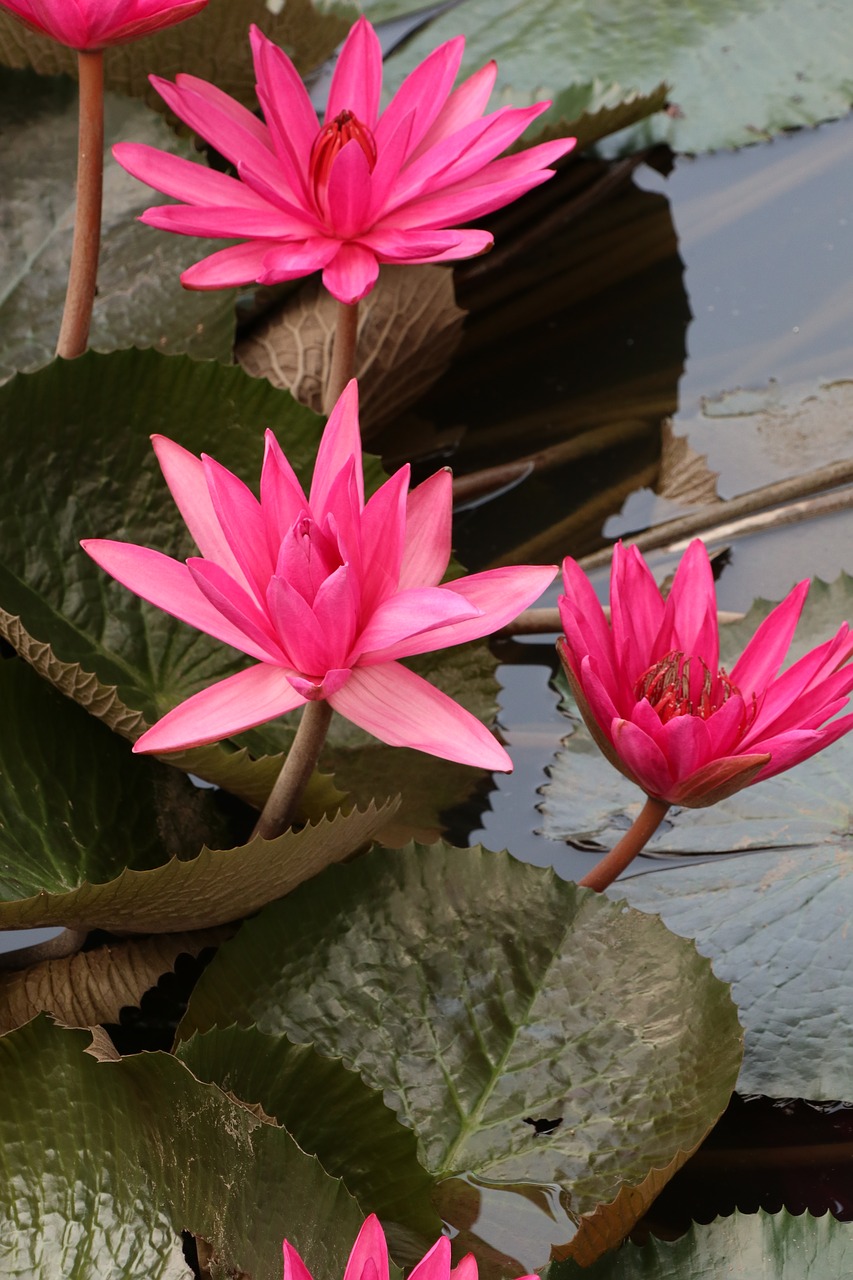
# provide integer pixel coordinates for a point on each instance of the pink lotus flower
(369, 1260)
(327, 592)
(93, 24)
(363, 189)
(663, 710)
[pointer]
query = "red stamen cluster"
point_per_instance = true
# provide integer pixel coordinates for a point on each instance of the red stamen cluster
(684, 686)
(331, 139)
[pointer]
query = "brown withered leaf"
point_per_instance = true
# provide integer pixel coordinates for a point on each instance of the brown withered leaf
(90, 987)
(684, 474)
(408, 329)
(213, 44)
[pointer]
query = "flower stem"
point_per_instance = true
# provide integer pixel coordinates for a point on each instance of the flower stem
(83, 272)
(625, 850)
(343, 353)
(301, 760)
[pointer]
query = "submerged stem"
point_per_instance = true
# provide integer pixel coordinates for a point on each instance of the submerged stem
(279, 810)
(83, 270)
(625, 850)
(343, 353)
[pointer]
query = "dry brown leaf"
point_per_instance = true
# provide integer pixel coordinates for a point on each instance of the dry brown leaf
(94, 986)
(409, 326)
(684, 474)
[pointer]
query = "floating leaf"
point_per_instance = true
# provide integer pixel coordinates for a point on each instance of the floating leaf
(331, 1113)
(476, 991)
(589, 804)
(140, 299)
(746, 1246)
(735, 74)
(776, 926)
(106, 1163)
(94, 837)
(409, 327)
(214, 44)
(94, 986)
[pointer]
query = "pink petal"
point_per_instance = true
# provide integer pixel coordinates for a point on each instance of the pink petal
(725, 727)
(288, 111)
(294, 1267)
(466, 1269)
(369, 1248)
(336, 609)
(460, 244)
(282, 498)
(169, 585)
(581, 612)
(802, 708)
(340, 445)
(499, 594)
(295, 259)
(195, 220)
(226, 106)
(386, 172)
(174, 176)
(185, 476)
(598, 695)
(392, 245)
(235, 604)
(357, 79)
(236, 265)
(239, 514)
(717, 781)
(383, 536)
(240, 702)
(349, 193)
(799, 744)
(686, 743)
(636, 611)
(465, 104)
(426, 553)
(423, 92)
(310, 650)
(434, 1265)
(643, 757)
(351, 274)
(411, 613)
(763, 656)
(690, 616)
(400, 708)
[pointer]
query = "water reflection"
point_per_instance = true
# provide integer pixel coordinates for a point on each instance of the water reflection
(513, 1227)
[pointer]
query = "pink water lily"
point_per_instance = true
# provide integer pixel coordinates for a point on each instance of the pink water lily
(94, 24)
(660, 706)
(368, 1260)
(365, 188)
(326, 592)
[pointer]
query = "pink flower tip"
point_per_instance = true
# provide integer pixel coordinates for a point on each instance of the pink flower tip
(650, 686)
(368, 1259)
(88, 25)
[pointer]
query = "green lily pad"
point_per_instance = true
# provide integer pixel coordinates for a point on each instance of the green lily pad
(92, 836)
(213, 44)
(140, 298)
(590, 804)
(330, 1111)
(480, 994)
(755, 1246)
(106, 1163)
(736, 73)
(776, 926)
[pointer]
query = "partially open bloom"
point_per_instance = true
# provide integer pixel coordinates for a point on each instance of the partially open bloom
(94, 24)
(369, 1260)
(365, 188)
(326, 592)
(663, 710)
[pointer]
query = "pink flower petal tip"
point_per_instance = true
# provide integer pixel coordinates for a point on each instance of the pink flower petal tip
(663, 710)
(368, 1260)
(93, 24)
(326, 591)
(361, 189)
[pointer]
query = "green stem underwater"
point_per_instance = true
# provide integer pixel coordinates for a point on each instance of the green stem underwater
(280, 808)
(343, 354)
(625, 850)
(83, 270)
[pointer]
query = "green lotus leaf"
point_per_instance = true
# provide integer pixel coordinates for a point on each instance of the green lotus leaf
(104, 1164)
(482, 995)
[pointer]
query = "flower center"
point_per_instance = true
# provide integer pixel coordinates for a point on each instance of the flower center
(333, 136)
(683, 686)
